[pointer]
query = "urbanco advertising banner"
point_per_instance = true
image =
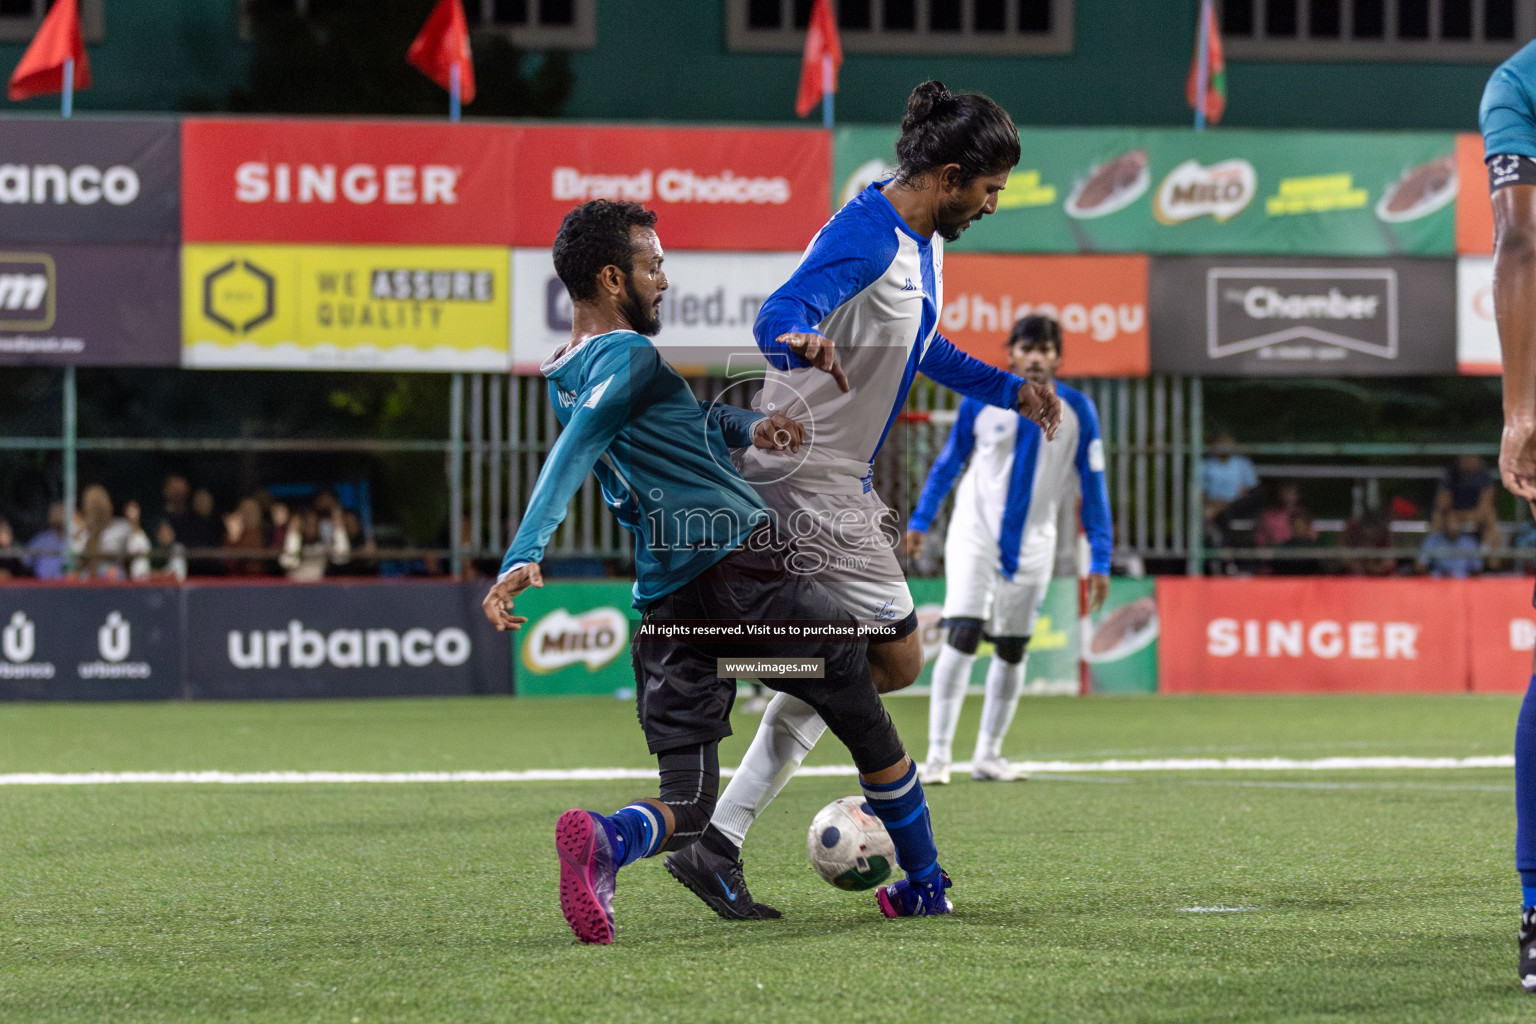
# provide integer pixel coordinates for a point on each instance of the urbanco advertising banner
(425, 183)
(386, 183)
(88, 180)
(1167, 191)
(1293, 318)
(1312, 635)
(90, 304)
(576, 640)
(1477, 333)
(1501, 631)
(1100, 301)
(345, 307)
(757, 189)
(363, 639)
(707, 311)
(101, 642)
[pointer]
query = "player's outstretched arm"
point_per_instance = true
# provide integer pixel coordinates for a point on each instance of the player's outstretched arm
(600, 413)
(946, 364)
(1514, 300)
(941, 477)
(498, 603)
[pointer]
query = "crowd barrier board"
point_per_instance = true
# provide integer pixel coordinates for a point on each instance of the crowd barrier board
(248, 640)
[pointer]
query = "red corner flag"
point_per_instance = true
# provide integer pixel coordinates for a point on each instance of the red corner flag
(41, 70)
(1215, 68)
(821, 41)
(443, 42)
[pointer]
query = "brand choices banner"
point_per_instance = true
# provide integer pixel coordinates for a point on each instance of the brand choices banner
(90, 305)
(90, 180)
(1236, 317)
(485, 184)
(102, 642)
(356, 307)
(1101, 302)
(366, 639)
(1170, 191)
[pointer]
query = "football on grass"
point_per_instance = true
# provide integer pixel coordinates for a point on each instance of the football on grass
(849, 846)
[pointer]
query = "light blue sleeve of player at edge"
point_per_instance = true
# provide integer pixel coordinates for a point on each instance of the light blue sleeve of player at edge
(1090, 474)
(957, 449)
(591, 429)
(1507, 114)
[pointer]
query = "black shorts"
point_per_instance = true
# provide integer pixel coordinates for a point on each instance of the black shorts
(680, 698)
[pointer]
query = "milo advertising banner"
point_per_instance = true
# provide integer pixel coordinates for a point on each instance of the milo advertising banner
(1122, 639)
(1165, 192)
(576, 640)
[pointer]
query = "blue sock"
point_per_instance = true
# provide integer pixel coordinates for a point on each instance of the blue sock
(901, 806)
(1525, 795)
(639, 832)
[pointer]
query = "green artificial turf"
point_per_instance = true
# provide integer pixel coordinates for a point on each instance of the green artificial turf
(1352, 896)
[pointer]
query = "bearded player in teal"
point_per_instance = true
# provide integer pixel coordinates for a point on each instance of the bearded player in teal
(1508, 119)
(708, 561)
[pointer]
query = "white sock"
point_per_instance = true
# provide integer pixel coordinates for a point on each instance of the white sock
(788, 732)
(951, 675)
(1004, 682)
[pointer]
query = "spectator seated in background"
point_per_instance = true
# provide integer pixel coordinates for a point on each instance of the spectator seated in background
(1467, 495)
(1302, 534)
(243, 533)
(137, 547)
(11, 566)
(1450, 549)
(308, 551)
(1230, 485)
(1370, 529)
(100, 541)
(1276, 523)
(45, 551)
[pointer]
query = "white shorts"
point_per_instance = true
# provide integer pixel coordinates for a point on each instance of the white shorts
(848, 544)
(974, 588)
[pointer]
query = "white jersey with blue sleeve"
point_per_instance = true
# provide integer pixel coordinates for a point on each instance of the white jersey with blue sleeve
(1011, 495)
(875, 287)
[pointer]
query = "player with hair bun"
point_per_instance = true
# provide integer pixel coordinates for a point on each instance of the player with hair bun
(845, 336)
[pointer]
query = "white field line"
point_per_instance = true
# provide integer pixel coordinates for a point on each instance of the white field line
(1191, 764)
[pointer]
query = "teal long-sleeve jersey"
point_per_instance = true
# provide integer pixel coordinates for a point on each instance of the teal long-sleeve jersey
(661, 456)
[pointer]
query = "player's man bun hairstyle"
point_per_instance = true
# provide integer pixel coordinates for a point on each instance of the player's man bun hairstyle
(593, 236)
(943, 128)
(1035, 329)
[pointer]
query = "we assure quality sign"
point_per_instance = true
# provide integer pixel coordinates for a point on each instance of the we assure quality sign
(421, 308)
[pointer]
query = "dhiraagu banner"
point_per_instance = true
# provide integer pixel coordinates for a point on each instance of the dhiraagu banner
(1170, 192)
(576, 640)
(356, 307)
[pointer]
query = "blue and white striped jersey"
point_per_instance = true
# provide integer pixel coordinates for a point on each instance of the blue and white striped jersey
(875, 287)
(1010, 497)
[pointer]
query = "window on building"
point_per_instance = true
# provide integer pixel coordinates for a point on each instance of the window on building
(538, 24)
(1433, 30)
(19, 19)
(909, 26)
(530, 24)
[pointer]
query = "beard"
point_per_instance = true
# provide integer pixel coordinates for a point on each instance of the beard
(953, 220)
(643, 321)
